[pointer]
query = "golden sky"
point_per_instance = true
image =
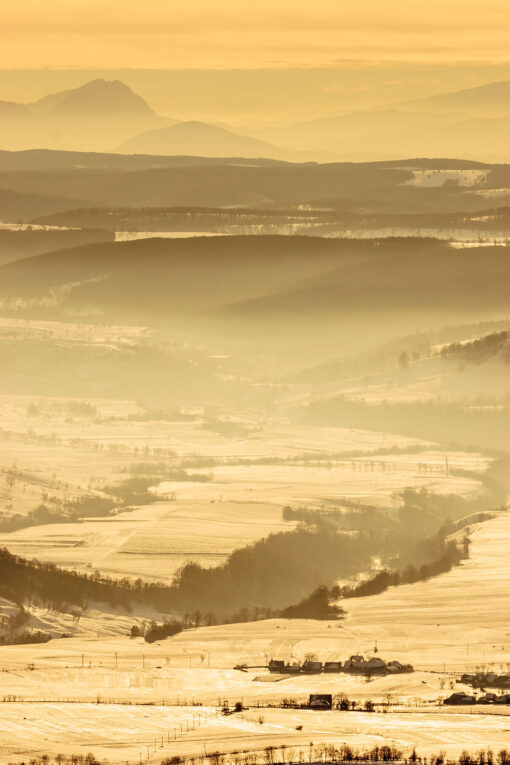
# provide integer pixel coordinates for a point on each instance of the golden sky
(218, 34)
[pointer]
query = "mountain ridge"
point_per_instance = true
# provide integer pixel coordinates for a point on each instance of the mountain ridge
(482, 97)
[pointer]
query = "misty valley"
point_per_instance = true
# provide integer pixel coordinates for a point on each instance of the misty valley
(254, 418)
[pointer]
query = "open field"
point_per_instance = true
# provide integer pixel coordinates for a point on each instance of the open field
(123, 733)
(154, 540)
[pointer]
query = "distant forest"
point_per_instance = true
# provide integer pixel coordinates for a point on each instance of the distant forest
(272, 220)
(454, 424)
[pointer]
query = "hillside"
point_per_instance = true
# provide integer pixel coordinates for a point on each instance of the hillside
(178, 275)
(246, 284)
(383, 276)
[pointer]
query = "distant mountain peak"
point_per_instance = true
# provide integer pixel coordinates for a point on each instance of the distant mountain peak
(95, 96)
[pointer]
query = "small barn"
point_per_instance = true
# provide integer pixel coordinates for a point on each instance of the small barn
(459, 699)
(321, 701)
(333, 666)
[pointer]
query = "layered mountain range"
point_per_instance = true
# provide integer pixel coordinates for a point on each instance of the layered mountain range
(108, 116)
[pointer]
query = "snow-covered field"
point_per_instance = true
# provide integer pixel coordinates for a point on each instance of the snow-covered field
(447, 625)
(129, 733)
(435, 178)
(130, 236)
(151, 541)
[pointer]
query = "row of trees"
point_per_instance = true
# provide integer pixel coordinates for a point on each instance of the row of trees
(296, 755)
(274, 571)
(451, 557)
(390, 753)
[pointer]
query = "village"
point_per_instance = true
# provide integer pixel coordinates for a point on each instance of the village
(355, 665)
(481, 681)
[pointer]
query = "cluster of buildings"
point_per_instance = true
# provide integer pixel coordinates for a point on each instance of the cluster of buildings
(486, 680)
(482, 680)
(464, 699)
(355, 665)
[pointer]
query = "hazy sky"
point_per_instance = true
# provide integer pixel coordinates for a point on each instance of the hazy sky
(202, 33)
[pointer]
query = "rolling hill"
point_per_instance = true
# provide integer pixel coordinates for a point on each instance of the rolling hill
(405, 277)
(358, 290)
(72, 161)
(168, 277)
(200, 139)
(364, 187)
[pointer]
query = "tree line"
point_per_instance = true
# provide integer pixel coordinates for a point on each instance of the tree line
(304, 753)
